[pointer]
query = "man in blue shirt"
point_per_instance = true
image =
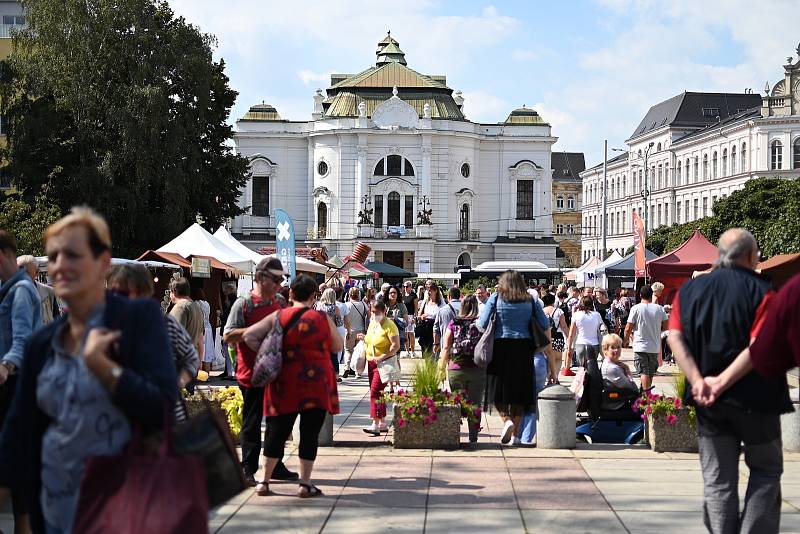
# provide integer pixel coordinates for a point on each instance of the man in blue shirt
(20, 315)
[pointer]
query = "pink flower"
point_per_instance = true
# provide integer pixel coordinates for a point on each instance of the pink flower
(400, 392)
(677, 403)
(401, 422)
(478, 412)
(671, 419)
(649, 410)
(457, 398)
(433, 417)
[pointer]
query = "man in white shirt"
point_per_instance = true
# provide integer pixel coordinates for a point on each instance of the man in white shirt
(646, 322)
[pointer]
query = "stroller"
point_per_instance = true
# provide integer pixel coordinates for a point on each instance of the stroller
(611, 418)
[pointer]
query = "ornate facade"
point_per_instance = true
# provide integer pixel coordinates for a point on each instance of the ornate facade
(688, 152)
(389, 158)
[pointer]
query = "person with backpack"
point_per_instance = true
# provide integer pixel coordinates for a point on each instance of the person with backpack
(358, 318)
(456, 357)
(558, 335)
(261, 302)
(305, 387)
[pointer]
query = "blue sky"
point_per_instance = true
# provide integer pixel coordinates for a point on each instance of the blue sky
(590, 68)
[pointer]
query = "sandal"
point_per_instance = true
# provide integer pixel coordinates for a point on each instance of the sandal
(308, 491)
(262, 489)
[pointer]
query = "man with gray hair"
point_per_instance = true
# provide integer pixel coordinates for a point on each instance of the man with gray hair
(47, 295)
(709, 326)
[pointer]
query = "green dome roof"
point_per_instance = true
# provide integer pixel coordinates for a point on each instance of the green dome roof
(524, 115)
(262, 112)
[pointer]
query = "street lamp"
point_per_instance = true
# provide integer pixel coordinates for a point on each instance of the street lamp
(646, 189)
(604, 218)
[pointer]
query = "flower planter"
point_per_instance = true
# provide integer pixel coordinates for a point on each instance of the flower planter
(196, 405)
(444, 433)
(678, 437)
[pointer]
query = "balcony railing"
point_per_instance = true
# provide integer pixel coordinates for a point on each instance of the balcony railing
(317, 233)
(469, 235)
(6, 29)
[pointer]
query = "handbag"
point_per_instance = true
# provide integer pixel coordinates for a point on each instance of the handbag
(540, 339)
(358, 360)
(485, 346)
(208, 436)
(269, 359)
(389, 370)
(136, 492)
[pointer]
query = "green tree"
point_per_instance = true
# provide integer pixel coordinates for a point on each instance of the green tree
(119, 105)
(27, 222)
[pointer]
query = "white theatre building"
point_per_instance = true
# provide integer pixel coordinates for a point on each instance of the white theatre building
(696, 148)
(390, 159)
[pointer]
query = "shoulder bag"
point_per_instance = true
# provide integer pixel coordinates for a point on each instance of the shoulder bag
(485, 346)
(540, 340)
(269, 359)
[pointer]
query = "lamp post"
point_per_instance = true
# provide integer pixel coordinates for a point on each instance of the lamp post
(646, 190)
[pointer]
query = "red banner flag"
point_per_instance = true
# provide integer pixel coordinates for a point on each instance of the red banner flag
(639, 259)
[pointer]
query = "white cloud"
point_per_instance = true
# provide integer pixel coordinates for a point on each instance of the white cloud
(309, 76)
(480, 106)
(525, 55)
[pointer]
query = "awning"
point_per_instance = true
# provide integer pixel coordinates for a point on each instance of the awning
(780, 268)
(696, 254)
(625, 266)
(386, 270)
(186, 263)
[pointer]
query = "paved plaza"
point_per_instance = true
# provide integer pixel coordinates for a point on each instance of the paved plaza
(370, 487)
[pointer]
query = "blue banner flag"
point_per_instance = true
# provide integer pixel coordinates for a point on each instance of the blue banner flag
(284, 242)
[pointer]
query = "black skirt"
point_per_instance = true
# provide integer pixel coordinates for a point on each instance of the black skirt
(509, 378)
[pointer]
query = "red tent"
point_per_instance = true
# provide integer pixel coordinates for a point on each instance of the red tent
(675, 267)
(780, 268)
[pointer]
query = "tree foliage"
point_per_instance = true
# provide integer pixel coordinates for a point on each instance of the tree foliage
(27, 222)
(119, 105)
(767, 207)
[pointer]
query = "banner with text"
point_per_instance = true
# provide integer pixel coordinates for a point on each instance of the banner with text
(284, 242)
(639, 258)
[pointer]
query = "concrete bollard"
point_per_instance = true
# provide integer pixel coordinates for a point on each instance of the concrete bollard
(556, 427)
(790, 426)
(325, 433)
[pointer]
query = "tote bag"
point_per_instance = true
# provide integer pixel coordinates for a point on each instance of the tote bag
(269, 359)
(485, 346)
(389, 370)
(137, 492)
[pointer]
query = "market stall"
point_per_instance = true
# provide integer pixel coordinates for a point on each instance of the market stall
(622, 273)
(600, 271)
(780, 268)
(579, 275)
(677, 266)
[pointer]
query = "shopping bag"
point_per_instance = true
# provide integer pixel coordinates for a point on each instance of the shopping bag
(137, 492)
(389, 370)
(577, 386)
(207, 435)
(358, 360)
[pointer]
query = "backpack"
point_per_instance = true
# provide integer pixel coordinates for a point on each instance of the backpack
(269, 359)
(466, 338)
(554, 333)
(567, 312)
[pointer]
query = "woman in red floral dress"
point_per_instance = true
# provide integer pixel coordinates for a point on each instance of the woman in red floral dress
(306, 385)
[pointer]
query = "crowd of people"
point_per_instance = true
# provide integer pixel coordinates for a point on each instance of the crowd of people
(91, 361)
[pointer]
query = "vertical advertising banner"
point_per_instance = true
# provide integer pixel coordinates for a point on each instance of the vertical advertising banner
(639, 259)
(284, 242)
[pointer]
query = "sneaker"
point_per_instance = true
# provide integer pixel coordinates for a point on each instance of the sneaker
(567, 372)
(282, 473)
(508, 431)
(372, 429)
(516, 441)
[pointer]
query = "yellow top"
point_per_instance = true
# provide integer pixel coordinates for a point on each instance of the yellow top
(379, 337)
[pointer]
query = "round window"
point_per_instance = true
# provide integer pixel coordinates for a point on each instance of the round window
(465, 170)
(322, 168)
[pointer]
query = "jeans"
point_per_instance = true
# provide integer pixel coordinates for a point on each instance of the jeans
(472, 381)
(724, 432)
(528, 423)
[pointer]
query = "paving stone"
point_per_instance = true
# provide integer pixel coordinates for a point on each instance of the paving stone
(396, 519)
(260, 518)
(557, 522)
(461, 520)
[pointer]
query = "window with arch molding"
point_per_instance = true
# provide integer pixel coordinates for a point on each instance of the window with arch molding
(724, 168)
(393, 209)
(463, 222)
(322, 220)
(658, 147)
(660, 174)
(744, 157)
(559, 202)
(696, 169)
(705, 167)
(714, 165)
(796, 154)
(776, 155)
(733, 159)
(465, 170)
(394, 165)
(570, 202)
(678, 174)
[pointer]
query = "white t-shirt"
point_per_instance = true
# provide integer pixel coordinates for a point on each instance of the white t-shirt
(556, 314)
(588, 326)
(647, 319)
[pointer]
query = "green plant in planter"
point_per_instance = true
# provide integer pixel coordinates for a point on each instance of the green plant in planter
(663, 406)
(230, 400)
(421, 404)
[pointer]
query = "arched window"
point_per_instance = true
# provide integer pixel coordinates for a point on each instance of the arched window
(394, 165)
(744, 157)
(464, 260)
(714, 166)
(660, 175)
(641, 188)
(678, 174)
(776, 153)
(796, 154)
(705, 167)
(322, 220)
(624, 186)
(463, 223)
(696, 169)
(393, 209)
(560, 202)
(733, 159)
(571, 202)
(658, 147)
(724, 162)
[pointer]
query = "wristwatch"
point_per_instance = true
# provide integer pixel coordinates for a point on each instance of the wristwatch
(116, 372)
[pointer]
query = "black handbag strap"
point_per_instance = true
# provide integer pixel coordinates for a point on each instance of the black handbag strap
(293, 321)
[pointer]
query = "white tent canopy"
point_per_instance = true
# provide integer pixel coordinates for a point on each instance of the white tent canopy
(600, 279)
(303, 264)
(196, 241)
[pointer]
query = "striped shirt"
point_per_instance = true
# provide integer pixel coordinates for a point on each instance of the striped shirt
(185, 354)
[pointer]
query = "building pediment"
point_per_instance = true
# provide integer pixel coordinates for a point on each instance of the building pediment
(526, 169)
(395, 113)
